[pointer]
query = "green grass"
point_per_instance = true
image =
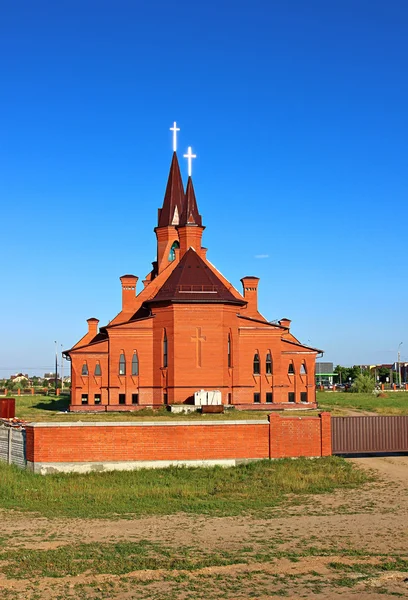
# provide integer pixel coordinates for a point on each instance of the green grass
(118, 558)
(253, 487)
(46, 408)
(123, 557)
(395, 403)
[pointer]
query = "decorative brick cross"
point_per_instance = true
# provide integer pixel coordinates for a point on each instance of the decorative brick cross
(198, 339)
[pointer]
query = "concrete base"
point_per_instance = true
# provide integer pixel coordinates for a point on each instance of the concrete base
(93, 408)
(184, 408)
(270, 407)
(131, 465)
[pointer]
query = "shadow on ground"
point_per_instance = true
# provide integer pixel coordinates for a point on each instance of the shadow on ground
(61, 403)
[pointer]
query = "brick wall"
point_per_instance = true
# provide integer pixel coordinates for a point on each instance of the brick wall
(178, 441)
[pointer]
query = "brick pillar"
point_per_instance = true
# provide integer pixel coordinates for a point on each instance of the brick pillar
(30, 443)
(32, 391)
(325, 434)
(275, 435)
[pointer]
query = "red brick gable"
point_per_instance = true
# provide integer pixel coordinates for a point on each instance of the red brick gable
(193, 281)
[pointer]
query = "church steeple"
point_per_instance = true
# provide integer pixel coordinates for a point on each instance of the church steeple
(190, 214)
(190, 230)
(173, 202)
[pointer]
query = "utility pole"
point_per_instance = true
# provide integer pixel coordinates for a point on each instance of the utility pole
(56, 367)
(62, 370)
(399, 364)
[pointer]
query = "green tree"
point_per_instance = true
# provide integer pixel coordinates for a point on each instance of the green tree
(383, 373)
(10, 385)
(342, 374)
(363, 382)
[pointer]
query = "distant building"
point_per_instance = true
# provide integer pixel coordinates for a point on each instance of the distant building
(324, 373)
(19, 378)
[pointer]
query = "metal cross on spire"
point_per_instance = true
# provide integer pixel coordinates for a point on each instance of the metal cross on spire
(175, 129)
(189, 156)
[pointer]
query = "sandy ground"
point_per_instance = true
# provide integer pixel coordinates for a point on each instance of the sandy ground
(372, 519)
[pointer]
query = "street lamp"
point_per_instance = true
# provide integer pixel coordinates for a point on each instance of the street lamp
(399, 364)
(62, 369)
(56, 367)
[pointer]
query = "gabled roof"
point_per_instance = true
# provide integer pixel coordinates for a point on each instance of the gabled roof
(173, 202)
(190, 215)
(193, 281)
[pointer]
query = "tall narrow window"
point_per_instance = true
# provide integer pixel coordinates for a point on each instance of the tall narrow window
(303, 369)
(98, 371)
(84, 369)
(229, 350)
(291, 369)
(268, 364)
(135, 364)
(172, 253)
(165, 349)
(122, 364)
(257, 365)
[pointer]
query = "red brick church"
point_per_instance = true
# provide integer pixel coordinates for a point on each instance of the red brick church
(188, 329)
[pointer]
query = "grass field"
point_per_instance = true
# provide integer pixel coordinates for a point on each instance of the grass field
(45, 408)
(217, 491)
(394, 403)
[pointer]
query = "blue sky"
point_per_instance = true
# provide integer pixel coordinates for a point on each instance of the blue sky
(298, 114)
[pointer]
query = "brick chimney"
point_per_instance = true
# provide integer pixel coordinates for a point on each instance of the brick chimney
(285, 323)
(128, 290)
(250, 292)
(92, 326)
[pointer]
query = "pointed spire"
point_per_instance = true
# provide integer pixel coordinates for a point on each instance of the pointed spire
(172, 208)
(190, 215)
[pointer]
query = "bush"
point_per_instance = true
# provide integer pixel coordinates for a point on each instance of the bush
(364, 382)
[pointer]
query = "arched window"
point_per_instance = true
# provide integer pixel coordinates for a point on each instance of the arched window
(268, 364)
(135, 364)
(172, 253)
(257, 364)
(165, 349)
(84, 369)
(291, 369)
(229, 351)
(303, 369)
(122, 364)
(98, 370)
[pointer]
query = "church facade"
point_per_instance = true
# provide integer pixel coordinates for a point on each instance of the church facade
(188, 329)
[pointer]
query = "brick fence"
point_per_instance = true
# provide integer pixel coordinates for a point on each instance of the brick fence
(83, 447)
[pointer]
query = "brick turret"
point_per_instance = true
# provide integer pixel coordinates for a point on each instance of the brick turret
(169, 216)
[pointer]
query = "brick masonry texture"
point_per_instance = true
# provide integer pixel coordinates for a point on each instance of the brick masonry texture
(279, 438)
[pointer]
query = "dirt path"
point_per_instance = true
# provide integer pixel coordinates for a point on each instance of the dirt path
(356, 529)
(391, 467)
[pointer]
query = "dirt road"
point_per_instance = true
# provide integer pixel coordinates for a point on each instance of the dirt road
(350, 544)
